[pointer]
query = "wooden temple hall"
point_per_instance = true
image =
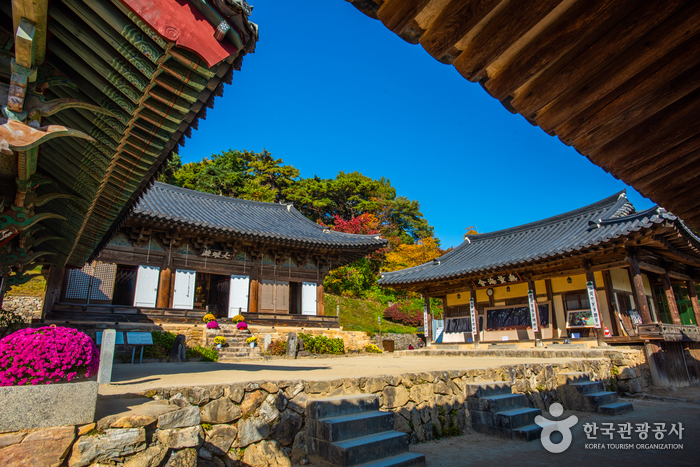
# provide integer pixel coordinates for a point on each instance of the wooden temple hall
(95, 97)
(603, 271)
(182, 253)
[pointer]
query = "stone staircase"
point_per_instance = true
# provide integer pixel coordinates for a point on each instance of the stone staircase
(578, 392)
(351, 431)
(495, 410)
(236, 348)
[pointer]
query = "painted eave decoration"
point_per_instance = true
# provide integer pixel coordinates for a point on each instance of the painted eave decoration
(95, 96)
(617, 80)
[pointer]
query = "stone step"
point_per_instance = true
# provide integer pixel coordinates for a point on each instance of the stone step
(572, 377)
(616, 408)
(596, 399)
(329, 407)
(406, 459)
(364, 449)
(586, 387)
(241, 359)
(350, 426)
(488, 388)
(516, 418)
(529, 432)
(498, 403)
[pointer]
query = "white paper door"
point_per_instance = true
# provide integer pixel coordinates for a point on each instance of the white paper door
(238, 297)
(308, 298)
(183, 296)
(146, 286)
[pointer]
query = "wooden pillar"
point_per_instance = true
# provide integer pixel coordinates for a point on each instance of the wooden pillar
(550, 297)
(254, 292)
(599, 332)
(52, 291)
(670, 298)
(694, 300)
(320, 307)
(531, 286)
(165, 286)
(638, 286)
(612, 305)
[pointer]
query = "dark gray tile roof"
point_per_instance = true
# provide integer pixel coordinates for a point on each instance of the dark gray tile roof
(242, 218)
(600, 222)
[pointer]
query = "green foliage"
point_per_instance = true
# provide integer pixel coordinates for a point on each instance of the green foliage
(323, 344)
(163, 342)
(10, 318)
(372, 348)
(361, 315)
(206, 426)
(206, 354)
(278, 348)
(33, 288)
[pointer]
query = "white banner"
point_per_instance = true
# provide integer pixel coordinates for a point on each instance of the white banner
(426, 324)
(593, 300)
(533, 310)
(473, 315)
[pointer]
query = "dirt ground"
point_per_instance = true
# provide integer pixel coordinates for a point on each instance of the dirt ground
(476, 449)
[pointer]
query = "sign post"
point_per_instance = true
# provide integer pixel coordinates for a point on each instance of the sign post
(533, 311)
(472, 313)
(593, 300)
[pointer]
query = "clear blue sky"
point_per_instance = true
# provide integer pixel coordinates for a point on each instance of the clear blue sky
(330, 89)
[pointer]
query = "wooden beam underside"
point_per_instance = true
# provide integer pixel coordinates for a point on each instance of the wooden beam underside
(617, 80)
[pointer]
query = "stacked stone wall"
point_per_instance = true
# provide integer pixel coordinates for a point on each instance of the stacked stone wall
(262, 424)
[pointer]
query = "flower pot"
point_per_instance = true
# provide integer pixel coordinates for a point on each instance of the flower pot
(252, 344)
(218, 346)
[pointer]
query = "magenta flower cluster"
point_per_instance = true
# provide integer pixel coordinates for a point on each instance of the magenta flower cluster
(46, 355)
(242, 325)
(212, 325)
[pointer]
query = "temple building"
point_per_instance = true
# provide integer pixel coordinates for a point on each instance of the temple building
(603, 271)
(182, 253)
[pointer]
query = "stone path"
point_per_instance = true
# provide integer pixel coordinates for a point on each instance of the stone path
(127, 378)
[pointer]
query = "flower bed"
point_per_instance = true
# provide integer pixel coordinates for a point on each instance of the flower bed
(31, 360)
(46, 355)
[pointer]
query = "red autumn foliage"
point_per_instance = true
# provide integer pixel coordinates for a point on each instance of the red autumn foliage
(365, 224)
(404, 314)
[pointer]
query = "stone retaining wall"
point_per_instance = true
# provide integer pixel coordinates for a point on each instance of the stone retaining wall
(27, 307)
(262, 424)
(353, 340)
(401, 341)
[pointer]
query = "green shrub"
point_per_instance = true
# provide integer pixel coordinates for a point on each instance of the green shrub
(163, 342)
(207, 355)
(308, 340)
(278, 348)
(323, 344)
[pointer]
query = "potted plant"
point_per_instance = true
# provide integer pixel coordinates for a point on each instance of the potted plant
(219, 341)
(209, 317)
(238, 318)
(212, 325)
(251, 340)
(242, 326)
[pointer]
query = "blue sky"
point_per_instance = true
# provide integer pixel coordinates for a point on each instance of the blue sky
(330, 89)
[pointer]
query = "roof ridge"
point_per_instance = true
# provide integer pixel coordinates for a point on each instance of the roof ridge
(202, 194)
(605, 203)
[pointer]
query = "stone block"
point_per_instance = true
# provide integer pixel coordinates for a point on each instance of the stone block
(395, 396)
(47, 447)
(104, 373)
(110, 445)
(220, 411)
(220, 438)
(179, 438)
(252, 430)
(47, 405)
(182, 418)
(183, 458)
(627, 373)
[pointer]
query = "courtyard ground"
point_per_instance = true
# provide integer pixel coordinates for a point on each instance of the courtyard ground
(477, 449)
(128, 378)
